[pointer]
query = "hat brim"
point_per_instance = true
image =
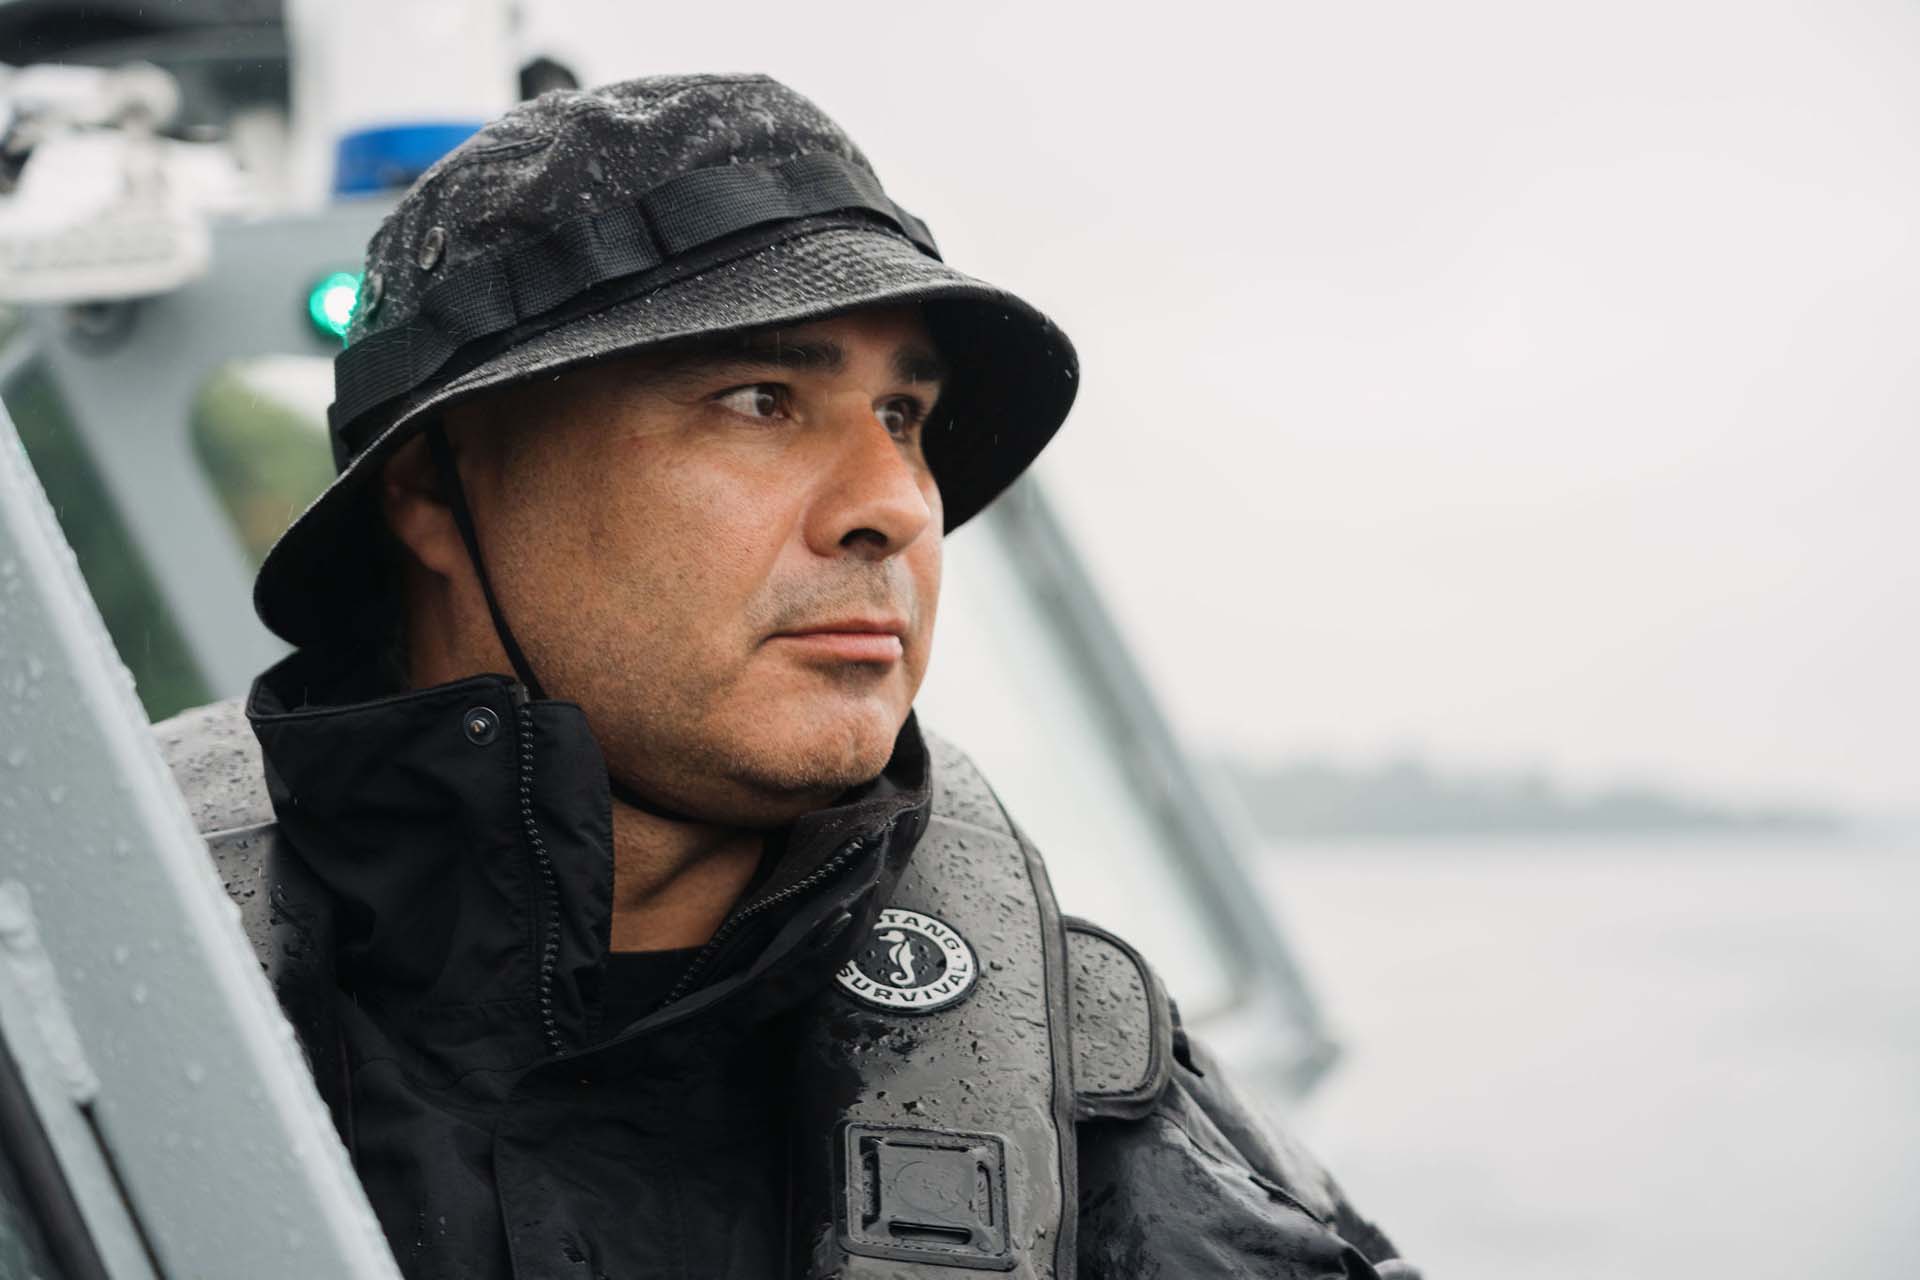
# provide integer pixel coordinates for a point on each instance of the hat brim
(1015, 377)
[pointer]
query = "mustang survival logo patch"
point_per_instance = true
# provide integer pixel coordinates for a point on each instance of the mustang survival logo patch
(911, 963)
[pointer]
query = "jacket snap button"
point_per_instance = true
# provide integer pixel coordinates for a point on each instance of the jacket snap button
(482, 726)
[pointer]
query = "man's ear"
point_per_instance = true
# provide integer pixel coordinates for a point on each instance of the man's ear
(416, 510)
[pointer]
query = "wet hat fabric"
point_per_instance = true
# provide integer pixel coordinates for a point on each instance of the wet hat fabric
(585, 224)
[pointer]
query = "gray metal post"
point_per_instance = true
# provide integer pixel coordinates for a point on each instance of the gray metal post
(1275, 1030)
(112, 919)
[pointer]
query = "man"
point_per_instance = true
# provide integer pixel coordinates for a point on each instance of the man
(632, 926)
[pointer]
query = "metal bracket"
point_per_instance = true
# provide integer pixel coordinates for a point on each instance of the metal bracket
(924, 1195)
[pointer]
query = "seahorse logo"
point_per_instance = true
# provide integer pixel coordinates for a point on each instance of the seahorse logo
(912, 963)
(901, 955)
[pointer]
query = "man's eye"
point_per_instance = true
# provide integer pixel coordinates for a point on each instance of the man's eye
(901, 415)
(761, 400)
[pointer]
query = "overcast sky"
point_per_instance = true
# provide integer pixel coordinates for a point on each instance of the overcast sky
(1517, 383)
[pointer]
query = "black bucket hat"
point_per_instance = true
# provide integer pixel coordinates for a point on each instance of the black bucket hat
(585, 224)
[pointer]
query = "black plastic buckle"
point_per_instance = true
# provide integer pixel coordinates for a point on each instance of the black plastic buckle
(925, 1195)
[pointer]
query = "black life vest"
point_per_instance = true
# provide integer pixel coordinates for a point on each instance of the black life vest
(937, 1081)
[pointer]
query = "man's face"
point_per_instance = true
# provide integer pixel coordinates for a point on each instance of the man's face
(730, 558)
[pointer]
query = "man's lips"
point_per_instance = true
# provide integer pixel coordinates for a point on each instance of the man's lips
(880, 640)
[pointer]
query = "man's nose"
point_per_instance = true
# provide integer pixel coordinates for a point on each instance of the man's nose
(871, 503)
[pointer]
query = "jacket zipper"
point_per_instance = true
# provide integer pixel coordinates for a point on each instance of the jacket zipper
(549, 882)
(549, 943)
(731, 925)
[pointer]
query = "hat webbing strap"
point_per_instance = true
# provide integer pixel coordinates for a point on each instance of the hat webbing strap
(580, 257)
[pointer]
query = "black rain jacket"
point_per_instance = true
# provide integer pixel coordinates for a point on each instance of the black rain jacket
(437, 866)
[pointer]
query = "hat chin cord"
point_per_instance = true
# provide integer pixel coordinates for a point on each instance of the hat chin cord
(523, 670)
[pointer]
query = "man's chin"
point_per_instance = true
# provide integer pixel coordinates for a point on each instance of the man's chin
(767, 761)
(815, 753)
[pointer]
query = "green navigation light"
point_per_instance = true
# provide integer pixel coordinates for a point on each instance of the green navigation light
(330, 304)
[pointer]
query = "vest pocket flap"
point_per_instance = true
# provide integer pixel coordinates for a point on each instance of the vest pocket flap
(1122, 1026)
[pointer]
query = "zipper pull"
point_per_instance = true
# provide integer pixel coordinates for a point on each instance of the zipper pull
(517, 694)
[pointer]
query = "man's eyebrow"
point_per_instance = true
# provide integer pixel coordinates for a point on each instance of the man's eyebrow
(814, 355)
(919, 364)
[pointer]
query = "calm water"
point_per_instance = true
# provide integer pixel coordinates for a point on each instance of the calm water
(1622, 1061)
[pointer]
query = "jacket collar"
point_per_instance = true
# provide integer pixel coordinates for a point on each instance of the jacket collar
(464, 838)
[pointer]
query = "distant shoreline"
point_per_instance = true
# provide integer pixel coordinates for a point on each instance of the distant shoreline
(1407, 800)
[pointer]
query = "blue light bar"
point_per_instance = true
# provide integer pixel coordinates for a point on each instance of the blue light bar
(392, 156)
